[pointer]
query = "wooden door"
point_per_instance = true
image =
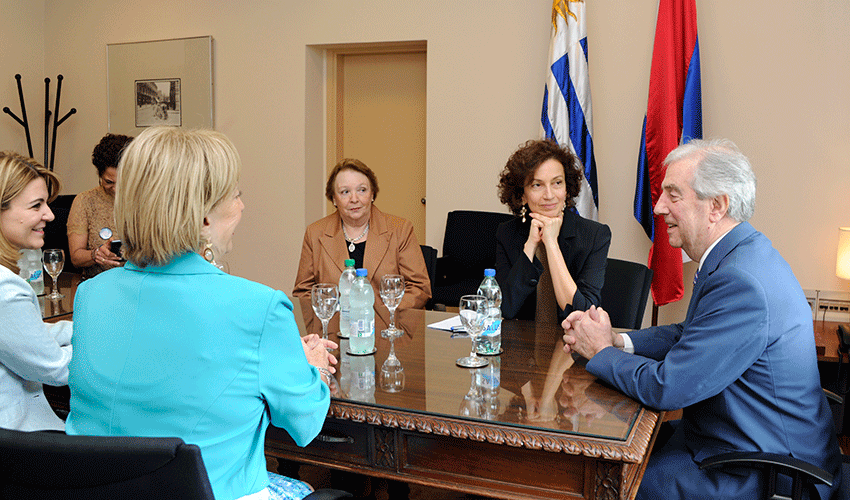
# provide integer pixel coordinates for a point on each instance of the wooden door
(379, 99)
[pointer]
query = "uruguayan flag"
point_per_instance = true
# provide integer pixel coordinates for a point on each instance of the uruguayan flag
(566, 99)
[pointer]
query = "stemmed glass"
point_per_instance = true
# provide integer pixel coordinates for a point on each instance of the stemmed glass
(473, 403)
(324, 297)
(54, 261)
(392, 290)
(392, 373)
(473, 315)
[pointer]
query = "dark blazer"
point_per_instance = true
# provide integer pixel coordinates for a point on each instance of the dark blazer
(743, 367)
(584, 244)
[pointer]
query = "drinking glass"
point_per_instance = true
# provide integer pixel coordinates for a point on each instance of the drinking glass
(392, 290)
(472, 404)
(54, 261)
(324, 297)
(392, 373)
(473, 315)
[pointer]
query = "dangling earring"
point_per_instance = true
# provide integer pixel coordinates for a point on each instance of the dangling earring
(522, 213)
(208, 253)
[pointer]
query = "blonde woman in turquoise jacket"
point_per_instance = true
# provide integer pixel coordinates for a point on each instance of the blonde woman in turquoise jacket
(170, 345)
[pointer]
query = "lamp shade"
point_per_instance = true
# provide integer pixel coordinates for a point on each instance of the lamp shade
(842, 263)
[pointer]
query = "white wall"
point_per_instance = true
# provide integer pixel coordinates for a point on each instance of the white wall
(774, 79)
(22, 52)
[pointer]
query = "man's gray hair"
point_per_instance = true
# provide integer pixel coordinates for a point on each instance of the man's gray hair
(721, 169)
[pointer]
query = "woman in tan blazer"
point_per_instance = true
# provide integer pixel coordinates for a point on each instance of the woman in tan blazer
(379, 242)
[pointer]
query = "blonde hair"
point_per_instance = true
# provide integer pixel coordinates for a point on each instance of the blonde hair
(16, 172)
(169, 179)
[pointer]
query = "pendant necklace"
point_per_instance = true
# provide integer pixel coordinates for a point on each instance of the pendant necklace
(352, 241)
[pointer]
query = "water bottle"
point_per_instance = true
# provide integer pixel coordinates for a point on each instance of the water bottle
(489, 379)
(31, 269)
(362, 385)
(490, 341)
(344, 367)
(346, 279)
(361, 335)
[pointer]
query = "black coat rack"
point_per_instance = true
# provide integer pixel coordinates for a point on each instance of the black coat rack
(48, 146)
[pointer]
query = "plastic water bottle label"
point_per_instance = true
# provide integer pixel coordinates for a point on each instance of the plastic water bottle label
(490, 341)
(494, 326)
(363, 329)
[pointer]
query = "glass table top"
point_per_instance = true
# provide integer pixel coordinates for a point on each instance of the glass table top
(532, 385)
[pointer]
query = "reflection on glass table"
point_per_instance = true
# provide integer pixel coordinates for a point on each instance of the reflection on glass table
(531, 385)
(392, 373)
(63, 308)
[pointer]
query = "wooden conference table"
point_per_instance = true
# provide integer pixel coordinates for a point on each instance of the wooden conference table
(532, 425)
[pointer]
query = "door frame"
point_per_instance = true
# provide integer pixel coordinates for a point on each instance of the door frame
(323, 113)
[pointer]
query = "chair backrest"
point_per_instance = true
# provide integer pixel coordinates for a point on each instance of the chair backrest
(470, 240)
(469, 247)
(625, 292)
(56, 231)
(52, 465)
(430, 255)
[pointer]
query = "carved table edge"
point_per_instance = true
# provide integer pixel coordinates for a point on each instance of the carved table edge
(631, 450)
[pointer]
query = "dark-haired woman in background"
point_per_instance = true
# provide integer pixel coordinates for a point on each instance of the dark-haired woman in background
(549, 261)
(91, 223)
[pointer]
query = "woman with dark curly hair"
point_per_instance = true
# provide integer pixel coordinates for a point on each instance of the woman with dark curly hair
(549, 261)
(91, 225)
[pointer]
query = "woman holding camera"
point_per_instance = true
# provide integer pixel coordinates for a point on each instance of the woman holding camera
(91, 224)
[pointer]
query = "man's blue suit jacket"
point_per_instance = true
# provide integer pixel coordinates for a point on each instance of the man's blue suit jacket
(743, 366)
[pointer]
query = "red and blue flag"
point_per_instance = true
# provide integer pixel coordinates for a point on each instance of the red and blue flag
(673, 117)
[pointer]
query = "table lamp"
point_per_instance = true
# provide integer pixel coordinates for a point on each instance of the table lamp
(842, 270)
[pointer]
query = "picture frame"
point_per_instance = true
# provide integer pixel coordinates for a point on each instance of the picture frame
(158, 102)
(161, 82)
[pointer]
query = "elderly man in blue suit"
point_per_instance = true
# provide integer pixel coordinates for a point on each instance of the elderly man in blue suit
(742, 365)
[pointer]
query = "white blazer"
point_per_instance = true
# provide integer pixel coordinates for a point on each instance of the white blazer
(32, 353)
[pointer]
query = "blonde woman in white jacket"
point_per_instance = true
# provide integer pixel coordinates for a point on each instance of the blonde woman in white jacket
(32, 352)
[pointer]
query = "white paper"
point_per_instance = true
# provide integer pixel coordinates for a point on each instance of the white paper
(452, 324)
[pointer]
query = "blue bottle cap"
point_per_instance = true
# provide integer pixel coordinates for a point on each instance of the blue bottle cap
(489, 272)
(362, 272)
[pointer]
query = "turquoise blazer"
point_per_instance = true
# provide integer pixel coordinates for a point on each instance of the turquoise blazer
(743, 367)
(187, 350)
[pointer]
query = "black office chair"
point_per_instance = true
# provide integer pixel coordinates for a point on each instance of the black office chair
(430, 255)
(56, 231)
(55, 466)
(469, 247)
(803, 474)
(625, 292)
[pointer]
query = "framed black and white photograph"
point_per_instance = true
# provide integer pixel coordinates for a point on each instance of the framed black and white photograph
(158, 102)
(160, 82)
